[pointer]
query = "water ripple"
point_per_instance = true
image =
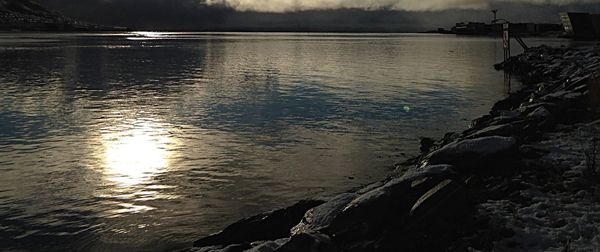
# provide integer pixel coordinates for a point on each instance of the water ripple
(145, 141)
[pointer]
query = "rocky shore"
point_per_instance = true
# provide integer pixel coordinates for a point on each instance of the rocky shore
(523, 177)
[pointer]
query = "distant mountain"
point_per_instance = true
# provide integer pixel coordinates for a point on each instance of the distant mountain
(31, 16)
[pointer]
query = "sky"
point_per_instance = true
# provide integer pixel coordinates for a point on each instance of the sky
(311, 15)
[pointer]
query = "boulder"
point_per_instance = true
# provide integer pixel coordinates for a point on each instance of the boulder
(574, 96)
(442, 200)
(540, 112)
(501, 120)
(449, 137)
(528, 108)
(578, 81)
(370, 187)
(494, 130)
(309, 242)
(269, 226)
(351, 217)
(417, 173)
(368, 214)
(471, 152)
(512, 101)
(267, 246)
(230, 248)
(432, 221)
(506, 113)
(320, 217)
(439, 210)
(205, 249)
(539, 119)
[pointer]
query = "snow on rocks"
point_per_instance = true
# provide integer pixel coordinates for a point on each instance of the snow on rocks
(559, 212)
(268, 226)
(320, 217)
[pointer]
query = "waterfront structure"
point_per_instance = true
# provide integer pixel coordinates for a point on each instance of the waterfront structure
(479, 28)
(581, 25)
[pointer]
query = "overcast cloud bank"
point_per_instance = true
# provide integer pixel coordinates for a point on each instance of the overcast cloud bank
(404, 5)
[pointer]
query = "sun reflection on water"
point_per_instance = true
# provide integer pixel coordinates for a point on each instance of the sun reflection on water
(135, 154)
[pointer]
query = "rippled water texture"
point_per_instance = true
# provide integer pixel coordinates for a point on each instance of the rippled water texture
(148, 140)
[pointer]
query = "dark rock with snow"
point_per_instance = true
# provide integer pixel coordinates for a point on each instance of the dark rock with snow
(267, 246)
(431, 222)
(447, 195)
(221, 248)
(471, 152)
(309, 242)
(320, 217)
(269, 226)
(349, 218)
(433, 171)
(367, 215)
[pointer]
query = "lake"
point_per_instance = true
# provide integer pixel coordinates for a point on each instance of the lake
(148, 141)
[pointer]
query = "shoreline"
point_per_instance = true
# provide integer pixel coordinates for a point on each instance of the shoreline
(456, 194)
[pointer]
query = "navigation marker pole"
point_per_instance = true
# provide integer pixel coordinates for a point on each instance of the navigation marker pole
(506, 40)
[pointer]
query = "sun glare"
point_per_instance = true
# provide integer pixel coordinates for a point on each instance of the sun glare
(135, 155)
(142, 35)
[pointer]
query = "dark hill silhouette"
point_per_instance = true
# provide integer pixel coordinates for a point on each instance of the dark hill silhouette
(31, 16)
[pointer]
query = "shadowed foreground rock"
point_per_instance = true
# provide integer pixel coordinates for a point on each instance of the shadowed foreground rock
(472, 152)
(440, 202)
(270, 226)
(364, 220)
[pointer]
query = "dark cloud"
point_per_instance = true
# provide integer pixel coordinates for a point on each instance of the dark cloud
(197, 15)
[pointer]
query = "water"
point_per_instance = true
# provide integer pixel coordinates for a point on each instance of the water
(148, 141)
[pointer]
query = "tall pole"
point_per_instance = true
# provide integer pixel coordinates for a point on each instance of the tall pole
(506, 40)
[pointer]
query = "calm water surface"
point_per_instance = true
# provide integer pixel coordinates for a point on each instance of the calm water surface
(149, 141)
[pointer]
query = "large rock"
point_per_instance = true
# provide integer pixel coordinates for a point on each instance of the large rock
(494, 130)
(320, 217)
(540, 112)
(471, 152)
(437, 213)
(417, 173)
(220, 248)
(309, 242)
(432, 221)
(511, 102)
(368, 214)
(268, 246)
(354, 217)
(269, 226)
(445, 199)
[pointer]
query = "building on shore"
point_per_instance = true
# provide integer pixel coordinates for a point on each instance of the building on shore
(581, 25)
(495, 29)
